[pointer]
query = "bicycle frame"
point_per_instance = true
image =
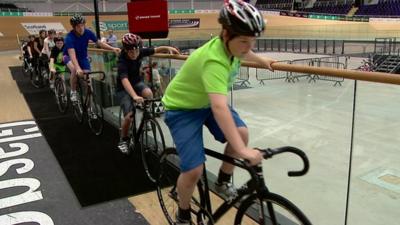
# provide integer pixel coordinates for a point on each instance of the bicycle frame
(254, 184)
(146, 115)
(88, 84)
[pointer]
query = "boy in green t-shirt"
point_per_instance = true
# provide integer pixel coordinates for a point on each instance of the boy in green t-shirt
(197, 96)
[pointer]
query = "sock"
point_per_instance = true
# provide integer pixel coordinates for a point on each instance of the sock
(184, 214)
(223, 177)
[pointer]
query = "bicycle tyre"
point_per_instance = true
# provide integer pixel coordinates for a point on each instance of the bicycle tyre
(152, 145)
(37, 79)
(168, 174)
(284, 211)
(26, 67)
(78, 105)
(95, 115)
(61, 94)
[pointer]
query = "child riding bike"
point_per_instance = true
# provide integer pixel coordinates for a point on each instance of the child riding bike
(130, 84)
(197, 96)
(56, 59)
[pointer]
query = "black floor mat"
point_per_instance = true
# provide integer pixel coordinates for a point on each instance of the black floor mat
(96, 171)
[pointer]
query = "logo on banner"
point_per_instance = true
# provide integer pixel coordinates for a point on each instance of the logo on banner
(112, 25)
(184, 23)
(34, 28)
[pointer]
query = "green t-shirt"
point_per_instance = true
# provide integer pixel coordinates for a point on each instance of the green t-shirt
(207, 70)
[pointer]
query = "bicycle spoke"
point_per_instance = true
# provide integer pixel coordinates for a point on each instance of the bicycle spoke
(152, 145)
(95, 115)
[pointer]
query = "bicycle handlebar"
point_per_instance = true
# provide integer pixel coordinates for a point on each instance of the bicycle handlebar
(268, 153)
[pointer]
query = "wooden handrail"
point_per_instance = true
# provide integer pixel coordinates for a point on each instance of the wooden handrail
(378, 77)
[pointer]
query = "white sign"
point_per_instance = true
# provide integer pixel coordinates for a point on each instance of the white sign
(384, 19)
(34, 28)
(38, 14)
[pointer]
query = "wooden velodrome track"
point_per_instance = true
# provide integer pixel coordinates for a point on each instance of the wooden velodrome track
(14, 107)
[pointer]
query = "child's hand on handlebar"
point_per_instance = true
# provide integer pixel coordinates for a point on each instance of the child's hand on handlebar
(254, 156)
(138, 99)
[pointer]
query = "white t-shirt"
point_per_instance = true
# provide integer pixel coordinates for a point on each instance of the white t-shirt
(48, 44)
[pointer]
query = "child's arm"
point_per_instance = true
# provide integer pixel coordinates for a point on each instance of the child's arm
(253, 57)
(223, 116)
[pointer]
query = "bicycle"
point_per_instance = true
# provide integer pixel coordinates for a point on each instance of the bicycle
(151, 146)
(254, 201)
(89, 104)
(27, 68)
(60, 91)
(40, 75)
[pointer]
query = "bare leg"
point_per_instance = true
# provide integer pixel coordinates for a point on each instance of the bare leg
(186, 183)
(73, 78)
(126, 124)
(227, 167)
(147, 93)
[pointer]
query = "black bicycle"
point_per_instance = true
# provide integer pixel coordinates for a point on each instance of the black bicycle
(88, 103)
(40, 75)
(255, 203)
(27, 67)
(148, 136)
(60, 91)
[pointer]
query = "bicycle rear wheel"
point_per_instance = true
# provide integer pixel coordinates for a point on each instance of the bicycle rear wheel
(272, 209)
(152, 145)
(167, 191)
(78, 105)
(37, 79)
(61, 94)
(95, 114)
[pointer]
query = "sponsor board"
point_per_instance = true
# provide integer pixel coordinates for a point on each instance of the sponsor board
(206, 11)
(276, 13)
(384, 19)
(294, 14)
(34, 28)
(112, 25)
(184, 23)
(37, 14)
(172, 23)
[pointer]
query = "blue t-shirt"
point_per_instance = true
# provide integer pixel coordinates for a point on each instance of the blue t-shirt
(79, 43)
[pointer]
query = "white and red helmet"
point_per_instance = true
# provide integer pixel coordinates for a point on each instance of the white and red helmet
(131, 41)
(241, 18)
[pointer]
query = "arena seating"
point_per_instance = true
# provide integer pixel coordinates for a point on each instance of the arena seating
(329, 7)
(383, 8)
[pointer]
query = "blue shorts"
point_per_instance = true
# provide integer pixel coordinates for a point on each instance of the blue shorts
(83, 63)
(125, 99)
(186, 128)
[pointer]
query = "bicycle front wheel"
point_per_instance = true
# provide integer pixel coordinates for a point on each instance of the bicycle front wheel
(78, 105)
(95, 115)
(152, 145)
(37, 79)
(61, 94)
(271, 209)
(168, 194)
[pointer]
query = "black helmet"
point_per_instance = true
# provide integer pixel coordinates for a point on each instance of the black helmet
(42, 31)
(241, 18)
(51, 31)
(57, 39)
(77, 19)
